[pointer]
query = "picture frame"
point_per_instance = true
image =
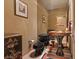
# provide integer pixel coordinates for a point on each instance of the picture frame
(21, 9)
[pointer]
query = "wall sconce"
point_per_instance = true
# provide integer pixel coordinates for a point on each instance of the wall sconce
(43, 19)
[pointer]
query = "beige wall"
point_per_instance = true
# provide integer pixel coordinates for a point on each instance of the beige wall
(41, 11)
(52, 17)
(72, 18)
(15, 24)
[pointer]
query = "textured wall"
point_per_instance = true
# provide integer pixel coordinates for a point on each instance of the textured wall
(41, 11)
(24, 26)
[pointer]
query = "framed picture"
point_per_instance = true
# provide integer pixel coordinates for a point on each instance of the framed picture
(21, 9)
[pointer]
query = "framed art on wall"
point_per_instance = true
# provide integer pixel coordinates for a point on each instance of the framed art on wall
(21, 9)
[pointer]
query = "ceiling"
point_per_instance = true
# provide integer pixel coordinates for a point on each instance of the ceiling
(53, 4)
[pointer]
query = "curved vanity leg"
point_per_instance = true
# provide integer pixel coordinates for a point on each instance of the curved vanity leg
(60, 46)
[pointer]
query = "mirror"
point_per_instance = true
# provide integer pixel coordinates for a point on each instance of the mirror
(56, 11)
